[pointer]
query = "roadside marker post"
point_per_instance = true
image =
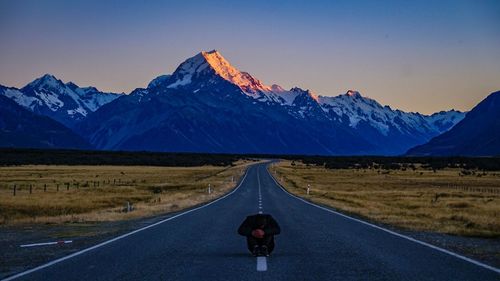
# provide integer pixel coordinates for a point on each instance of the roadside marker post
(308, 188)
(209, 189)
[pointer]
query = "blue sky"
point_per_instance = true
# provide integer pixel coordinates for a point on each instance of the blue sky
(421, 56)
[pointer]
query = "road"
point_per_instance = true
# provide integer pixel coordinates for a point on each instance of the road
(315, 244)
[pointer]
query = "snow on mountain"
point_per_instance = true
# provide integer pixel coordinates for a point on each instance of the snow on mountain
(18, 97)
(214, 61)
(67, 103)
(92, 97)
(205, 65)
(357, 108)
(158, 81)
(478, 134)
(350, 108)
(209, 105)
(442, 121)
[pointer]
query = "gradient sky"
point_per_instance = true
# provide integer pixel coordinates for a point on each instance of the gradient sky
(421, 56)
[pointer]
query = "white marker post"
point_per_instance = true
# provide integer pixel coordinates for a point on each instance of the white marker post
(308, 188)
(209, 189)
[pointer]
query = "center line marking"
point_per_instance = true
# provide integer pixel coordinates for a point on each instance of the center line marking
(261, 264)
(260, 201)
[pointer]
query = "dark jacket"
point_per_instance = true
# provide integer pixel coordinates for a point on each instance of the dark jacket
(271, 227)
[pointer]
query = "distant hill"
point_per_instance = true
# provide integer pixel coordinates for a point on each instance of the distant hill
(478, 134)
(22, 128)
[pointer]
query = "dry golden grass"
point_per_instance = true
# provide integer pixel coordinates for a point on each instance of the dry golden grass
(151, 190)
(440, 201)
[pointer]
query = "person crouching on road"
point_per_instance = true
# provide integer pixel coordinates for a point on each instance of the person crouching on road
(260, 230)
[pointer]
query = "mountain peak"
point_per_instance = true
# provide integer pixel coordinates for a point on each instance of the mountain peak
(353, 93)
(72, 85)
(48, 76)
(214, 61)
(46, 81)
(159, 80)
(242, 79)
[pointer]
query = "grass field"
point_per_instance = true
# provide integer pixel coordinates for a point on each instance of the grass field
(445, 201)
(61, 194)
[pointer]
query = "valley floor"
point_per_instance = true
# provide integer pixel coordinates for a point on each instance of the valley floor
(87, 204)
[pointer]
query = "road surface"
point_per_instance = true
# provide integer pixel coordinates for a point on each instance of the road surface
(315, 244)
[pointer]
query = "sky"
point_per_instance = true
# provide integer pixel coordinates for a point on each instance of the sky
(423, 56)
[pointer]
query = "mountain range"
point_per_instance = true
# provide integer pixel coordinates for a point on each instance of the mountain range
(65, 103)
(478, 134)
(207, 105)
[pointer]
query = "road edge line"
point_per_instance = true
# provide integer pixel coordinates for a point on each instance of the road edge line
(475, 262)
(21, 274)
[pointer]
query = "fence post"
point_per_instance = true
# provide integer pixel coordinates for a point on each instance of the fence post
(44, 187)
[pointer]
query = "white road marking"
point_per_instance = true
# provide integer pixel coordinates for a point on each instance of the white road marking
(46, 243)
(261, 264)
(122, 236)
(260, 192)
(478, 263)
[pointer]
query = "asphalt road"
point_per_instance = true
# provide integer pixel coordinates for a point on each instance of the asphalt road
(315, 244)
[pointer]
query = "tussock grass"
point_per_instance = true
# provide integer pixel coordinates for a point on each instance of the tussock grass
(423, 200)
(151, 190)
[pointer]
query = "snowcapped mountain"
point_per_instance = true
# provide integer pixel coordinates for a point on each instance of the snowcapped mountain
(66, 103)
(393, 131)
(158, 80)
(207, 64)
(478, 134)
(208, 105)
(357, 108)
